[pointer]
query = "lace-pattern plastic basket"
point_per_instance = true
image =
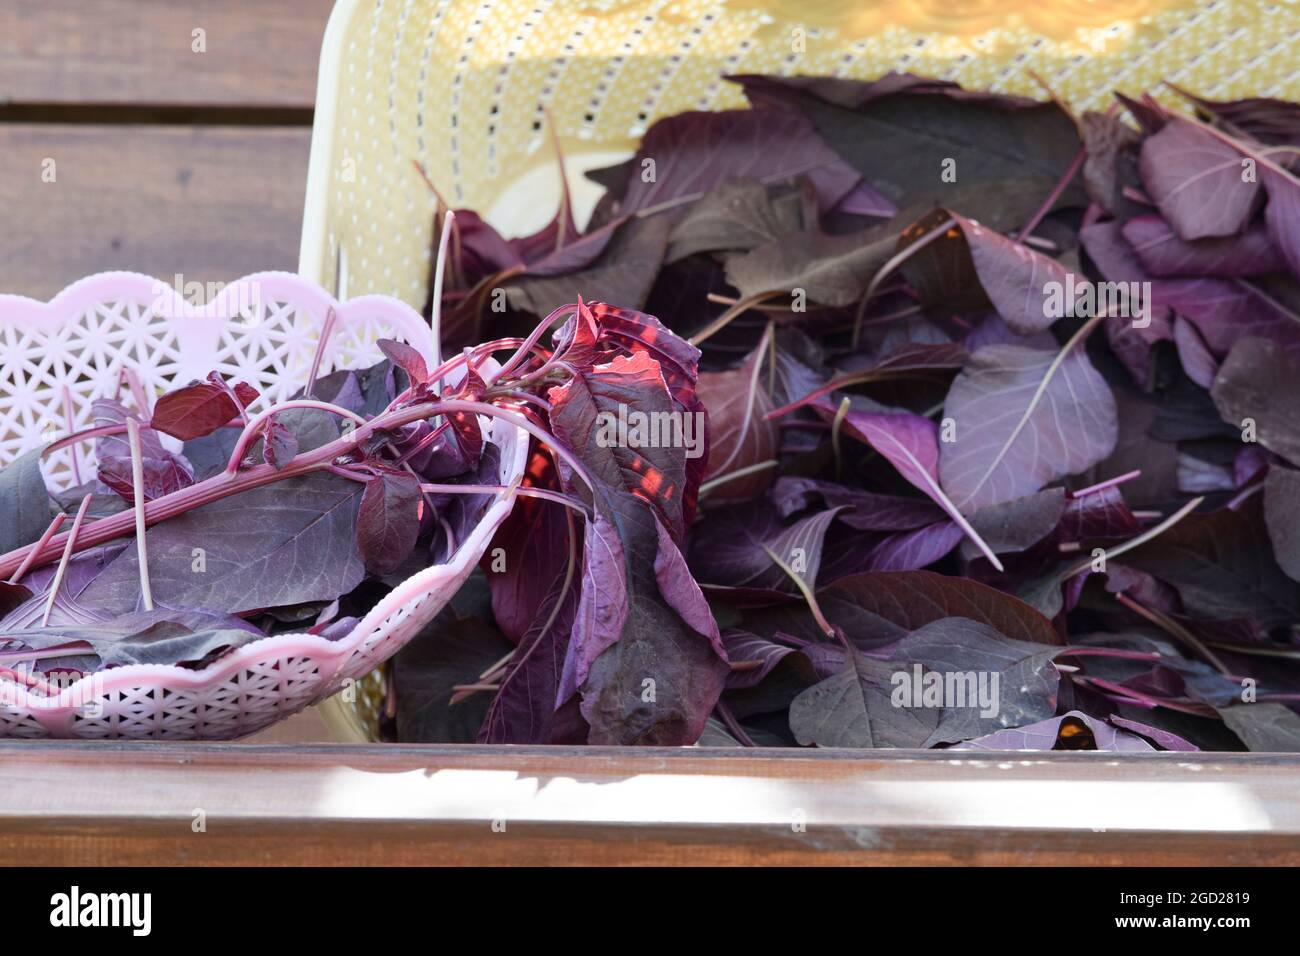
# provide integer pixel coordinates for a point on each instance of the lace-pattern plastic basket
(57, 357)
(465, 87)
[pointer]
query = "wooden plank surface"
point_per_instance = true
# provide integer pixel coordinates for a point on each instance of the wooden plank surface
(83, 803)
(257, 53)
(210, 203)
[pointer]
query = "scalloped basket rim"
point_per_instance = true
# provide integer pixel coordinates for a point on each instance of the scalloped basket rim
(90, 290)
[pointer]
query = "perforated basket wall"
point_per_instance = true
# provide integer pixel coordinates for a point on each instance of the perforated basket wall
(57, 357)
(464, 87)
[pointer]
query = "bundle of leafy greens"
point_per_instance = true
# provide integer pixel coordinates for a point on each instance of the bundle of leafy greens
(212, 518)
(1002, 420)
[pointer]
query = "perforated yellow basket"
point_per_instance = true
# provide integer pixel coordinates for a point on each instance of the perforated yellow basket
(464, 87)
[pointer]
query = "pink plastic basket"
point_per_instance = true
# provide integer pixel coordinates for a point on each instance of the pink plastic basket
(56, 357)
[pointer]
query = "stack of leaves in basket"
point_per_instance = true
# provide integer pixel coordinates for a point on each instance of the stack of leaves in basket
(961, 421)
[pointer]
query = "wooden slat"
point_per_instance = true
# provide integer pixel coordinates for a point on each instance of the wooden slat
(259, 53)
(79, 803)
(211, 203)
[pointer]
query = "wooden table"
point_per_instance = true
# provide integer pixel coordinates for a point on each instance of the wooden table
(177, 134)
(330, 805)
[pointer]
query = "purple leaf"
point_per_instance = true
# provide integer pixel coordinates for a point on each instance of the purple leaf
(1073, 731)
(587, 418)
(1197, 181)
(1016, 278)
(1022, 420)
(830, 270)
(899, 551)
(603, 609)
(680, 591)
(1022, 522)
(686, 669)
(911, 444)
(744, 647)
(1162, 253)
(729, 548)
(1011, 151)
(524, 710)
(1161, 738)
(1200, 366)
(1282, 214)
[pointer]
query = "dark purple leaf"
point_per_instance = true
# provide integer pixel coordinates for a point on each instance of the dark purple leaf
(279, 444)
(1001, 683)
(451, 651)
(737, 215)
(623, 273)
(1020, 523)
(199, 408)
(388, 520)
(828, 270)
(24, 503)
(899, 133)
(877, 606)
(730, 546)
(159, 476)
(866, 510)
(740, 434)
(853, 708)
(1200, 366)
(692, 152)
(1282, 516)
(1255, 391)
(639, 461)
(407, 359)
(524, 710)
(281, 544)
(1222, 566)
(909, 442)
(1264, 728)
(1263, 118)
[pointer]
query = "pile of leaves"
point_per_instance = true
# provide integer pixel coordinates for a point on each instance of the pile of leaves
(995, 393)
(212, 517)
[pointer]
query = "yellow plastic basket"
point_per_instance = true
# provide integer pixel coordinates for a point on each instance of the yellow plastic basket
(465, 88)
